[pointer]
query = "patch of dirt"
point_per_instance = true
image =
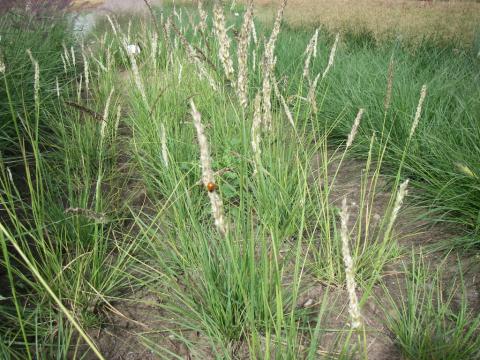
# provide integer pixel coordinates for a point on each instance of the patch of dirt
(137, 326)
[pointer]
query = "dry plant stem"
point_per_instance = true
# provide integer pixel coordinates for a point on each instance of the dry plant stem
(242, 54)
(423, 94)
(354, 309)
(152, 15)
(85, 110)
(207, 172)
(114, 29)
(192, 50)
(89, 214)
(223, 40)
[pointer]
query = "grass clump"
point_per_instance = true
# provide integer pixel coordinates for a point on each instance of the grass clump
(46, 36)
(431, 321)
(215, 184)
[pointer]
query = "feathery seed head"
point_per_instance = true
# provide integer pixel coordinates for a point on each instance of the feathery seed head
(331, 58)
(207, 172)
(353, 131)
(203, 17)
(223, 40)
(242, 54)
(354, 308)
(36, 83)
(388, 94)
(423, 94)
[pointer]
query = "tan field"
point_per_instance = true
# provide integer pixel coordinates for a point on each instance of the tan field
(445, 20)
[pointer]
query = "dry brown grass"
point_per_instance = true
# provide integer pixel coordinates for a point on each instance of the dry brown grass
(452, 20)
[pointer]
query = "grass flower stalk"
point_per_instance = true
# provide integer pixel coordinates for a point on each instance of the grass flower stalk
(136, 75)
(267, 101)
(388, 93)
(402, 192)
(64, 63)
(418, 113)
(72, 52)
(36, 81)
(57, 87)
(203, 18)
(154, 45)
(311, 96)
(196, 57)
(354, 309)
(65, 54)
(268, 67)
(254, 33)
(286, 109)
(223, 40)
(331, 58)
(242, 55)
(310, 51)
(86, 70)
(207, 172)
(353, 131)
(163, 141)
(112, 25)
(106, 111)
